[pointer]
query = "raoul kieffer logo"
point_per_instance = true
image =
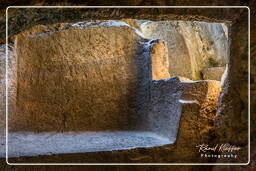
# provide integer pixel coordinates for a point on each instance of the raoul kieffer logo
(219, 148)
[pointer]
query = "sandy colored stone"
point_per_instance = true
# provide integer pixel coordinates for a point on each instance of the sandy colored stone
(159, 60)
(12, 86)
(232, 116)
(184, 79)
(213, 73)
(132, 23)
(199, 104)
(204, 104)
(32, 18)
(170, 97)
(48, 95)
(85, 76)
(178, 54)
(192, 46)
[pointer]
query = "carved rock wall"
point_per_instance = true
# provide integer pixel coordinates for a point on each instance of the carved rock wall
(85, 77)
(192, 46)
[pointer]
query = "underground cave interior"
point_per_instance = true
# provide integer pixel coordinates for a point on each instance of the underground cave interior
(109, 85)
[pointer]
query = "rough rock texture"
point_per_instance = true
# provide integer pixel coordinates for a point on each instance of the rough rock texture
(199, 104)
(28, 144)
(196, 107)
(213, 73)
(165, 108)
(159, 60)
(2, 87)
(11, 83)
(11, 89)
(85, 77)
(62, 87)
(27, 18)
(196, 45)
(232, 115)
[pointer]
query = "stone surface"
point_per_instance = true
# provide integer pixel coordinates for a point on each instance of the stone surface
(199, 104)
(29, 144)
(208, 107)
(62, 87)
(172, 95)
(86, 76)
(165, 96)
(232, 115)
(213, 73)
(159, 60)
(165, 108)
(195, 45)
(28, 18)
(2, 86)
(11, 83)
(22, 19)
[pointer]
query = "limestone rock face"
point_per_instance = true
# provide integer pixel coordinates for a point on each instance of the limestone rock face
(165, 109)
(85, 76)
(169, 97)
(2, 87)
(232, 115)
(213, 73)
(11, 83)
(159, 60)
(192, 46)
(98, 82)
(199, 104)
(230, 121)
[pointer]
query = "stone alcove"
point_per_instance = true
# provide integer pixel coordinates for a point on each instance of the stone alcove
(153, 17)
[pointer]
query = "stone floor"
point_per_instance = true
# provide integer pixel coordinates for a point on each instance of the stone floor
(35, 144)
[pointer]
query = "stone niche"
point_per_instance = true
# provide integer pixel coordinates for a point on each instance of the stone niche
(89, 77)
(105, 86)
(195, 127)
